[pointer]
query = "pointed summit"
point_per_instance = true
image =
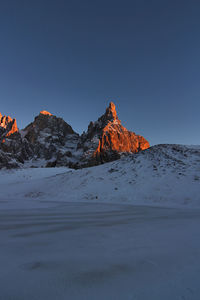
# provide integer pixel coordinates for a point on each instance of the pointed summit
(106, 138)
(111, 113)
(110, 116)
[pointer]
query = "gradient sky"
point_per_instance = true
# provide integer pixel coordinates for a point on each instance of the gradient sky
(73, 57)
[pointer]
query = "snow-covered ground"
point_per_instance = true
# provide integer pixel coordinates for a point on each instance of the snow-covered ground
(99, 251)
(128, 229)
(164, 175)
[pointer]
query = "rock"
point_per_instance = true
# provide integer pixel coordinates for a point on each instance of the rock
(12, 150)
(44, 112)
(51, 164)
(8, 126)
(50, 141)
(106, 139)
(7, 161)
(48, 124)
(51, 136)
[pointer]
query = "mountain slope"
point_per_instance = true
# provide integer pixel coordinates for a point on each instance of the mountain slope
(163, 175)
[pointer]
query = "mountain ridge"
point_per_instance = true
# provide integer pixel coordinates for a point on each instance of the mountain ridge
(53, 141)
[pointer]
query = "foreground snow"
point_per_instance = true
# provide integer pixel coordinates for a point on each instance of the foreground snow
(99, 251)
(64, 234)
(164, 175)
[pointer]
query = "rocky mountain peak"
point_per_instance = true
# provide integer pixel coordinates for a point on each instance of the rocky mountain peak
(51, 139)
(5, 120)
(46, 113)
(8, 125)
(47, 127)
(111, 113)
(109, 116)
(106, 139)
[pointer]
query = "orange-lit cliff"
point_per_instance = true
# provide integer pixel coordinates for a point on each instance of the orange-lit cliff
(8, 125)
(109, 138)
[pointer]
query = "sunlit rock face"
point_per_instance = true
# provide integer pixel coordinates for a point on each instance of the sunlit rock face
(8, 126)
(44, 112)
(106, 138)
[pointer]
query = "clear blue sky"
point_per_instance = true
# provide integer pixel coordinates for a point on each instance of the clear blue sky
(72, 57)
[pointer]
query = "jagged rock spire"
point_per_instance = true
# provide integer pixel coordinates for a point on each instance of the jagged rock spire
(111, 113)
(107, 138)
(8, 124)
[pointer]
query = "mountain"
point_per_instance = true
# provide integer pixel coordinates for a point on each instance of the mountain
(8, 126)
(106, 139)
(13, 149)
(52, 139)
(49, 141)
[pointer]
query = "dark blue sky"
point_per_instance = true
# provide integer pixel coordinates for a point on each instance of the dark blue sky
(72, 57)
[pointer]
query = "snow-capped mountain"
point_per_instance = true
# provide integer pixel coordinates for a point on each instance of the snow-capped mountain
(49, 141)
(53, 141)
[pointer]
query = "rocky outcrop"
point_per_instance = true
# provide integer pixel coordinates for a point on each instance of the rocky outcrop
(8, 126)
(13, 149)
(106, 139)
